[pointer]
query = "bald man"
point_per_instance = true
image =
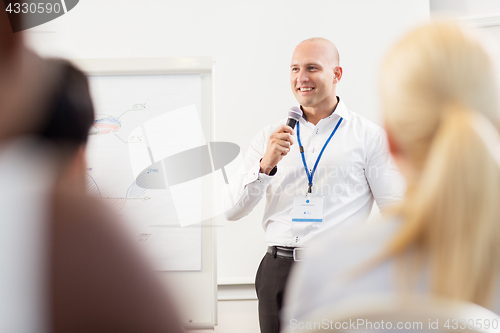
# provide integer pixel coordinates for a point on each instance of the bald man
(324, 174)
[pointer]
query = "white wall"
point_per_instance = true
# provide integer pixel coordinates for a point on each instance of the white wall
(484, 14)
(465, 7)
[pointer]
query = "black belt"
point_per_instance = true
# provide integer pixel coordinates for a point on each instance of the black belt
(281, 251)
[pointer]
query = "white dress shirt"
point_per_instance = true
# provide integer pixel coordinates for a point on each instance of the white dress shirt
(354, 169)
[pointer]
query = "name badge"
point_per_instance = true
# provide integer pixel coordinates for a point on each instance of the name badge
(308, 209)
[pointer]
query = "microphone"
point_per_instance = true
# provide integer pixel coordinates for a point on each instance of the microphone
(294, 115)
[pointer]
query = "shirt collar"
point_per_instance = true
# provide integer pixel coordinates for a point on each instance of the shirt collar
(341, 111)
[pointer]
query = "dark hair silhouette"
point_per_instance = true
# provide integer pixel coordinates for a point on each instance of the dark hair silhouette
(70, 111)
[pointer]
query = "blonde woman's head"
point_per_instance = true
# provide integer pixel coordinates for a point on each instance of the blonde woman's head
(440, 101)
(437, 68)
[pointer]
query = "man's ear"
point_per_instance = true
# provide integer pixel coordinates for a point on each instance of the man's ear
(337, 74)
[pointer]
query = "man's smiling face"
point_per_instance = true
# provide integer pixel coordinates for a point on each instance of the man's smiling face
(312, 74)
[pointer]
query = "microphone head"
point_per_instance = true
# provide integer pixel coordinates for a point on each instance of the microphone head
(295, 113)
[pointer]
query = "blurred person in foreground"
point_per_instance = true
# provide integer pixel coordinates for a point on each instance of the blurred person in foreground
(68, 265)
(100, 281)
(440, 105)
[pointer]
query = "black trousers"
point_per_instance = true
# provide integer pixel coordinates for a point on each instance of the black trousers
(270, 284)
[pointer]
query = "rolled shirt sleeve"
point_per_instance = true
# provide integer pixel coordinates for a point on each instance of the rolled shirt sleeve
(248, 186)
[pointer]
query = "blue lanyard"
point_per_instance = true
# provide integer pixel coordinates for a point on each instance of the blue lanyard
(311, 175)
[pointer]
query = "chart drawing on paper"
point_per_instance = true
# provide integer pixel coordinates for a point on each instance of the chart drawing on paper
(140, 120)
(104, 125)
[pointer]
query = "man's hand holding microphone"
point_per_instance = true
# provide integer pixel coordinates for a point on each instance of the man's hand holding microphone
(280, 142)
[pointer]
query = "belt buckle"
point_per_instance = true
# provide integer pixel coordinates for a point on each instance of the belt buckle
(297, 257)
